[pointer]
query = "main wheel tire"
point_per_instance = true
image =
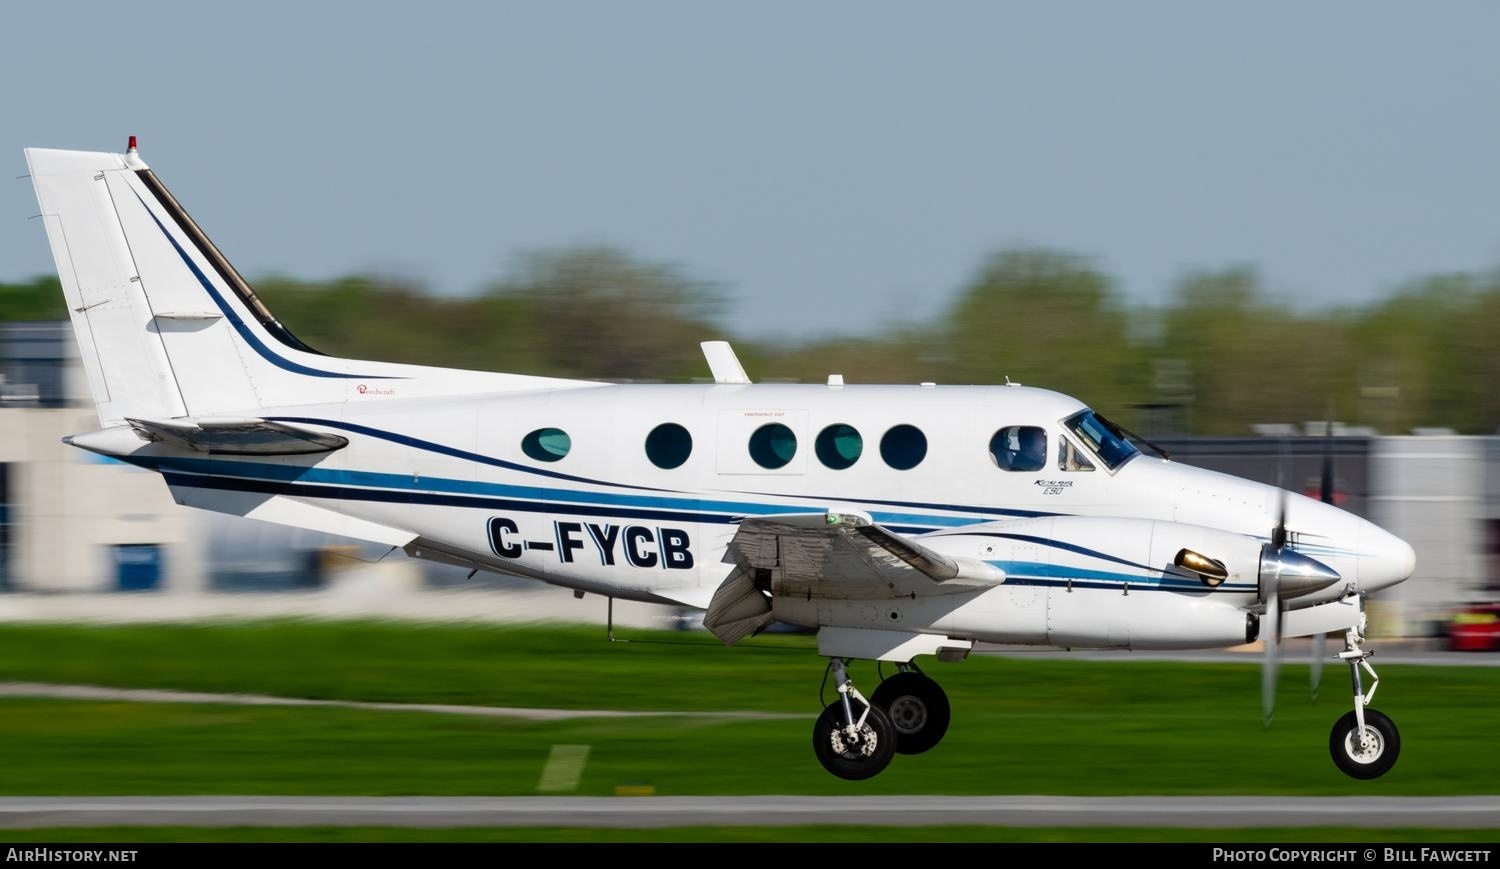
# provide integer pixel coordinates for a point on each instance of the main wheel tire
(918, 709)
(1372, 761)
(856, 757)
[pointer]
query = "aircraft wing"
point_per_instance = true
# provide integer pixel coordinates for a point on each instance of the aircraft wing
(847, 555)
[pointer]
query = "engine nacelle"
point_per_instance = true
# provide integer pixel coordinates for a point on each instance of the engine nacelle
(1030, 615)
(1111, 553)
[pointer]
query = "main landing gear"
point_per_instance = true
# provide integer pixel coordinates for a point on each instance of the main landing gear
(917, 707)
(856, 738)
(1364, 743)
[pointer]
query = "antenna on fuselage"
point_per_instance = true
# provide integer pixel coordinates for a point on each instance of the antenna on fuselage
(723, 364)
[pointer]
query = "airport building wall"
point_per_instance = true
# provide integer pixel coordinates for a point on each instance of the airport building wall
(1431, 491)
(77, 522)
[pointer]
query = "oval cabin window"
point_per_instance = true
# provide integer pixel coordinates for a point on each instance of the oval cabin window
(669, 445)
(839, 446)
(547, 444)
(903, 447)
(773, 445)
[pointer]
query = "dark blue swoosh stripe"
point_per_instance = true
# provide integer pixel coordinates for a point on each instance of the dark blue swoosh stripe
(239, 325)
(455, 452)
(1070, 547)
(920, 505)
(347, 493)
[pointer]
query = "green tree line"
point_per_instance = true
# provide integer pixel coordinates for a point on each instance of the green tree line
(1221, 356)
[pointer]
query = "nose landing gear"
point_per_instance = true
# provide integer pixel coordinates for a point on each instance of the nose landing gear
(1364, 743)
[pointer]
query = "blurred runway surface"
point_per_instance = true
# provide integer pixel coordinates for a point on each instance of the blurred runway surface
(1031, 811)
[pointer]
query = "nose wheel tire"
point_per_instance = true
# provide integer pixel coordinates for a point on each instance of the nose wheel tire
(1365, 755)
(918, 709)
(858, 755)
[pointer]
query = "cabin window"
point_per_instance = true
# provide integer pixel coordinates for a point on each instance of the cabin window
(1071, 458)
(1019, 448)
(773, 445)
(903, 447)
(547, 444)
(668, 445)
(839, 446)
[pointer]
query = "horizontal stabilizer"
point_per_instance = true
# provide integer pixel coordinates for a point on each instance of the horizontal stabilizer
(243, 437)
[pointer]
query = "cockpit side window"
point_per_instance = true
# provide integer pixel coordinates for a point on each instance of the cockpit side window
(1071, 458)
(1019, 448)
(1100, 436)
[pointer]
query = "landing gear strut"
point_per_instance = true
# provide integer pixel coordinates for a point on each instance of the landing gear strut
(917, 707)
(1364, 743)
(854, 739)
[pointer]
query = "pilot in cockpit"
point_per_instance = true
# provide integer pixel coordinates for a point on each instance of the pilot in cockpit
(1032, 452)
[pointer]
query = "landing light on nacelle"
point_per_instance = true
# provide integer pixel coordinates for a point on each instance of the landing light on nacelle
(1211, 570)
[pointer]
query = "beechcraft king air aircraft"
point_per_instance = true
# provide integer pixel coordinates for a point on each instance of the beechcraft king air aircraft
(899, 521)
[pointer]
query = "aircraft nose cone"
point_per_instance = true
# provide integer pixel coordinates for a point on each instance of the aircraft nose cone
(1387, 559)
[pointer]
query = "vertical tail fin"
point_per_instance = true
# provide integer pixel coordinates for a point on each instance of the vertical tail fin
(128, 370)
(167, 328)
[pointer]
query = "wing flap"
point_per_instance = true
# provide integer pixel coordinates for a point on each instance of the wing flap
(846, 554)
(738, 609)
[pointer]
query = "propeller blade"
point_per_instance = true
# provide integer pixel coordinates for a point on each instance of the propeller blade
(1325, 488)
(1270, 635)
(1278, 534)
(1325, 494)
(1320, 651)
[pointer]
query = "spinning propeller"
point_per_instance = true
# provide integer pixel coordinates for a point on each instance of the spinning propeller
(1325, 494)
(1285, 574)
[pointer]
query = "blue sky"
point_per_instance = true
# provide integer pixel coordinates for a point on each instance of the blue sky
(832, 165)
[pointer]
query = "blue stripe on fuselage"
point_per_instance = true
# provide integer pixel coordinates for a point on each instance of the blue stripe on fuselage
(372, 479)
(349, 493)
(289, 482)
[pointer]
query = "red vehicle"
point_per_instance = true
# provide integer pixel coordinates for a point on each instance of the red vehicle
(1475, 629)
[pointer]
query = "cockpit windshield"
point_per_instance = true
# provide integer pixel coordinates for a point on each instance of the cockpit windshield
(1101, 436)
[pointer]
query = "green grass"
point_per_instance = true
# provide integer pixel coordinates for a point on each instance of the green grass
(1260, 835)
(1020, 726)
(564, 667)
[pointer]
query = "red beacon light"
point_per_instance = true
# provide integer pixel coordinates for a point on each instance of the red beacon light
(132, 159)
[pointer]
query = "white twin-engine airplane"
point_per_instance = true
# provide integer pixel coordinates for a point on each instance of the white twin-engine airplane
(899, 521)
